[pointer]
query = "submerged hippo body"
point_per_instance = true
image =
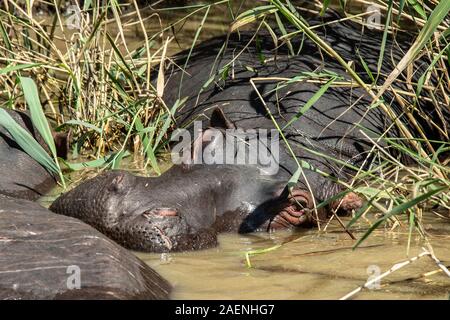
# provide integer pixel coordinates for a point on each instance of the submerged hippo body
(22, 176)
(42, 253)
(156, 214)
(187, 205)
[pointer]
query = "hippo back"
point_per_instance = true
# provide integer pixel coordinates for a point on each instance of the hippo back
(339, 122)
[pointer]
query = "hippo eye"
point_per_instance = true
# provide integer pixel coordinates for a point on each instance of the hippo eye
(161, 212)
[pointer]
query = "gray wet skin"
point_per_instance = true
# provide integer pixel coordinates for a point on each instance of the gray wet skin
(185, 208)
(182, 210)
(339, 123)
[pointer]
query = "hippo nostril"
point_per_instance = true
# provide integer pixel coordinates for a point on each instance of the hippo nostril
(299, 203)
(301, 199)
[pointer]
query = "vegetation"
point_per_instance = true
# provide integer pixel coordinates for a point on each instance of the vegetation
(85, 75)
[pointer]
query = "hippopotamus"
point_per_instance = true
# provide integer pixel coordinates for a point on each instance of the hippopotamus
(170, 218)
(235, 82)
(50, 256)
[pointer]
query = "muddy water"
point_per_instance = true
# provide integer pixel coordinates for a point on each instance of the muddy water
(182, 25)
(308, 266)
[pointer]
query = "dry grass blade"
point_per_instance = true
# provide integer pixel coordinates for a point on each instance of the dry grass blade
(437, 16)
(383, 275)
(160, 81)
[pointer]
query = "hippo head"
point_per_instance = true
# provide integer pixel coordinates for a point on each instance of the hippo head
(185, 208)
(133, 211)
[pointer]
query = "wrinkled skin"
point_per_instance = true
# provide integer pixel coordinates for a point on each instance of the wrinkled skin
(155, 214)
(332, 126)
(37, 248)
(185, 207)
(22, 176)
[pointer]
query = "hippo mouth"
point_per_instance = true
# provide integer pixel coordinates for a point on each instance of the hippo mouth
(160, 227)
(164, 229)
(163, 219)
(295, 211)
(160, 212)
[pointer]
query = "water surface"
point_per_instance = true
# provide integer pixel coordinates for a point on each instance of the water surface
(312, 266)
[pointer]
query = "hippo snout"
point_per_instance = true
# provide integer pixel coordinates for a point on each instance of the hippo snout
(156, 229)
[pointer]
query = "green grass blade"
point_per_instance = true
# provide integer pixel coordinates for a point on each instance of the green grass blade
(294, 179)
(5, 36)
(310, 102)
(19, 67)
(197, 34)
(26, 141)
(84, 124)
(384, 39)
(284, 32)
(37, 115)
(366, 67)
(168, 121)
(437, 16)
(94, 163)
(421, 80)
(39, 121)
(418, 8)
(250, 253)
(252, 15)
(325, 5)
(399, 209)
(146, 144)
(401, 5)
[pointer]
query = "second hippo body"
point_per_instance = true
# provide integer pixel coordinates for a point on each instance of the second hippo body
(44, 255)
(49, 256)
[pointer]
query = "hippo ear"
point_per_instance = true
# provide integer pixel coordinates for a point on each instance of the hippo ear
(120, 182)
(219, 120)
